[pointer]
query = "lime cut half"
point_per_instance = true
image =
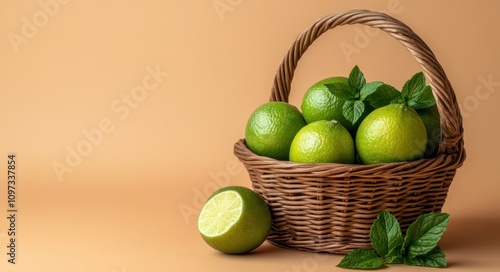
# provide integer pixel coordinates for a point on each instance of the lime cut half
(220, 213)
(234, 220)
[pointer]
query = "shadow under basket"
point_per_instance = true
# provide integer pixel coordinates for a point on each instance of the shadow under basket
(330, 207)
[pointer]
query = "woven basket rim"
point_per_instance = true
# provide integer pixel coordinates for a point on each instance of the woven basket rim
(444, 161)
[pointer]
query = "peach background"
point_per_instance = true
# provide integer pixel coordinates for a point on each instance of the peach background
(131, 202)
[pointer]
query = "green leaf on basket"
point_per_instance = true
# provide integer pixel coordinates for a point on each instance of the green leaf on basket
(434, 258)
(369, 88)
(385, 234)
(425, 100)
(361, 259)
(416, 94)
(340, 90)
(356, 79)
(414, 86)
(423, 235)
(384, 95)
(353, 110)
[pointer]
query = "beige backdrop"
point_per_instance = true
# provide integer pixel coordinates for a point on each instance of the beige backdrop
(123, 116)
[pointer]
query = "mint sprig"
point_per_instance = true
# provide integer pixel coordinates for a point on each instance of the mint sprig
(357, 94)
(418, 247)
(416, 94)
(356, 80)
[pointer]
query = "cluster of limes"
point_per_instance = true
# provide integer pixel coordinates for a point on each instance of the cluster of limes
(343, 120)
(321, 133)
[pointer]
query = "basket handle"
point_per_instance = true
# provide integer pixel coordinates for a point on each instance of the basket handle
(451, 119)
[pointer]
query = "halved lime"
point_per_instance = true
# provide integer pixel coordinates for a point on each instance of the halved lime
(234, 220)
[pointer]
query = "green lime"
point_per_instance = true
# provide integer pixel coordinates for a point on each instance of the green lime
(323, 142)
(430, 117)
(391, 133)
(319, 103)
(271, 128)
(234, 220)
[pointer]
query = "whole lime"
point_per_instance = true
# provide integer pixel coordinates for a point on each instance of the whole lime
(323, 142)
(319, 103)
(234, 220)
(391, 133)
(430, 117)
(271, 129)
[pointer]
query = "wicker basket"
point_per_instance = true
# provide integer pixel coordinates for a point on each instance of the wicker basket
(330, 207)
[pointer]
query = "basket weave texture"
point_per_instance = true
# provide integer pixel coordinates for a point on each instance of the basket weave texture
(330, 207)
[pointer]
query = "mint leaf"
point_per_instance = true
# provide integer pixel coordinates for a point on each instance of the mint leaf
(369, 88)
(384, 95)
(435, 258)
(361, 259)
(394, 256)
(414, 86)
(416, 94)
(424, 100)
(398, 101)
(356, 79)
(423, 235)
(385, 234)
(352, 110)
(340, 90)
